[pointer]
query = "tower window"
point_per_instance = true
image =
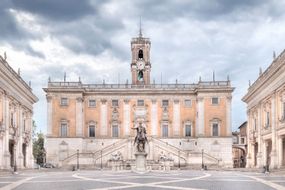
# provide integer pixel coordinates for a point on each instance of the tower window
(140, 54)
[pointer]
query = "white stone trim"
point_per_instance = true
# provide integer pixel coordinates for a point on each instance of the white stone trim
(127, 118)
(200, 115)
(176, 118)
(79, 117)
(103, 118)
(154, 118)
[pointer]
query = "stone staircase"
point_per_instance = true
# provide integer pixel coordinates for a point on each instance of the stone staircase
(181, 158)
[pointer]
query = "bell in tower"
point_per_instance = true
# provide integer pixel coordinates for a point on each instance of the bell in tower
(140, 65)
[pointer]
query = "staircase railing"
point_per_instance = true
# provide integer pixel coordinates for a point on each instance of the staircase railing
(102, 151)
(173, 149)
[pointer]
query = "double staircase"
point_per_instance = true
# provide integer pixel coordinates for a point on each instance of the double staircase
(182, 158)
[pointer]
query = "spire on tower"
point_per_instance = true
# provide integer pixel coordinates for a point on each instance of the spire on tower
(140, 33)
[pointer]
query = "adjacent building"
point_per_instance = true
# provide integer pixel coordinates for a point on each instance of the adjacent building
(265, 101)
(95, 121)
(16, 111)
(240, 146)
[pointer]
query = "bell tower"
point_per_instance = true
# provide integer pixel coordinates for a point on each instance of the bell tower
(140, 65)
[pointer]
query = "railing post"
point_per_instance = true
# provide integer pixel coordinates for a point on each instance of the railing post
(77, 159)
(202, 158)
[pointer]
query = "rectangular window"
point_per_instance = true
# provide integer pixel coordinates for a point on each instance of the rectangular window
(215, 101)
(115, 103)
(188, 130)
(188, 103)
(63, 102)
(63, 130)
(164, 130)
(91, 131)
(92, 103)
(242, 140)
(165, 103)
(255, 124)
(267, 119)
(215, 130)
(140, 102)
(115, 131)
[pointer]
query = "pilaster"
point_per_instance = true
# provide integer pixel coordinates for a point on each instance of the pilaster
(154, 117)
(229, 116)
(273, 123)
(49, 115)
(200, 117)
(127, 117)
(79, 117)
(103, 118)
(176, 118)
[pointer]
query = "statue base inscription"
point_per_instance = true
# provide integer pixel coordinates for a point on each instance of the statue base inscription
(140, 162)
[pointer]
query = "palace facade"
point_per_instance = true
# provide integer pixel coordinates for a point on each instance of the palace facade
(266, 117)
(93, 122)
(16, 111)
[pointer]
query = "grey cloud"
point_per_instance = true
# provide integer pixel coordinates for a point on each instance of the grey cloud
(55, 9)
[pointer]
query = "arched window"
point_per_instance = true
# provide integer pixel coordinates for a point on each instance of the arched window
(140, 54)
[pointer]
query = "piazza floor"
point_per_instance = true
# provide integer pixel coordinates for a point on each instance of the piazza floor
(190, 179)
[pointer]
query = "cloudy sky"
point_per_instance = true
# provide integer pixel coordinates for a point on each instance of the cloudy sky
(189, 38)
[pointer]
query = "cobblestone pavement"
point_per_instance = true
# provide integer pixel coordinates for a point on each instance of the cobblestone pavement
(190, 179)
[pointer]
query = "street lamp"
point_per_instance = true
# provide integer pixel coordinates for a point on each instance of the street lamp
(202, 158)
(179, 155)
(77, 159)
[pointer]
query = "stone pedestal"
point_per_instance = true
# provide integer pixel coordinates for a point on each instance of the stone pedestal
(140, 162)
(117, 165)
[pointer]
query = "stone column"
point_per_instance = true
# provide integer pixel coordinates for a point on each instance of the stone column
(29, 153)
(103, 118)
(2, 137)
(280, 151)
(259, 140)
(79, 117)
(273, 154)
(264, 153)
(229, 116)
(176, 118)
(6, 138)
(20, 141)
(49, 115)
(200, 123)
(154, 118)
(127, 117)
(249, 146)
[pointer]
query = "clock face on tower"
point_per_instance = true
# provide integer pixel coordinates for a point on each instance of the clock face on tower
(140, 65)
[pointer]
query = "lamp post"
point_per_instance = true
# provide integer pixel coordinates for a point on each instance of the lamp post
(202, 158)
(179, 155)
(77, 159)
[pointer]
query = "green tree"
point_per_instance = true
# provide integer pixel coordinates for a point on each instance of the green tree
(38, 148)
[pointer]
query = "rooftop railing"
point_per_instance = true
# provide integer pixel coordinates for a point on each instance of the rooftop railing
(201, 84)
